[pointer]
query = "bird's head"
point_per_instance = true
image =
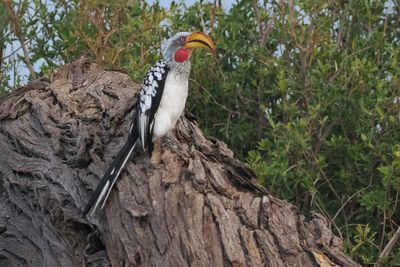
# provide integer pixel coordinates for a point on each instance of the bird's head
(179, 48)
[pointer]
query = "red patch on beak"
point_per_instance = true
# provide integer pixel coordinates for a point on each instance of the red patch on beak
(182, 55)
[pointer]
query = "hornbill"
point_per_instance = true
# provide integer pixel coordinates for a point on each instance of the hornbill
(161, 102)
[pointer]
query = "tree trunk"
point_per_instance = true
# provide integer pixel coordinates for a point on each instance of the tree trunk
(199, 207)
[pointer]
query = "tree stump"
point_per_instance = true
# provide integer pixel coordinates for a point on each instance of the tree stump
(199, 207)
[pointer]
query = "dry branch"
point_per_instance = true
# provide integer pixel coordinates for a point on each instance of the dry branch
(200, 207)
(15, 23)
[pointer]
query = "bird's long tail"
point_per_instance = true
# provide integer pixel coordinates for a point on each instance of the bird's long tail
(103, 189)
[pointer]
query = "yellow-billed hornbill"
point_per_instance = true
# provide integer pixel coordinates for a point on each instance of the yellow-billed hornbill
(162, 100)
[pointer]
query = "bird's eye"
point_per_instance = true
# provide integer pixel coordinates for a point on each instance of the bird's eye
(182, 39)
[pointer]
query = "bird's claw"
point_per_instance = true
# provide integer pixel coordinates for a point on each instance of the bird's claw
(155, 158)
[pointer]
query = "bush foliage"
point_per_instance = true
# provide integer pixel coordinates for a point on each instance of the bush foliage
(308, 92)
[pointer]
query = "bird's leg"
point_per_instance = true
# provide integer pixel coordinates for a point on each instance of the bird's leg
(156, 153)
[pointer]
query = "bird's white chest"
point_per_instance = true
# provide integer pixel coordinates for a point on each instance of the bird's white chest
(172, 103)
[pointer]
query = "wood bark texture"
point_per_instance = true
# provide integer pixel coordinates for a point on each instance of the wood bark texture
(199, 207)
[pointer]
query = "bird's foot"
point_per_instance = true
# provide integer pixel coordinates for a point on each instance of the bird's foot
(156, 153)
(156, 158)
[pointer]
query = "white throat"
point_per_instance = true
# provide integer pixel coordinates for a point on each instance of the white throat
(172, 102)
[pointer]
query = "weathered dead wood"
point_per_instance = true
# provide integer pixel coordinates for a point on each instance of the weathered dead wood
(200, 207)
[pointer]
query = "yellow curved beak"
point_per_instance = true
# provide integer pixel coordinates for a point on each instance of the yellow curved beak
(199, 40)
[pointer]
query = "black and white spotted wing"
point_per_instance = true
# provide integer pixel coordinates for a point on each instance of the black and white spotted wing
(150, 97)
(141, 128)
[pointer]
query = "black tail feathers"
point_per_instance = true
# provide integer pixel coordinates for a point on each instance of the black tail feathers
(103, 189)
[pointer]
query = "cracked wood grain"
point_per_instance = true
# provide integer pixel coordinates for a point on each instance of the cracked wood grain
(199, 207)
